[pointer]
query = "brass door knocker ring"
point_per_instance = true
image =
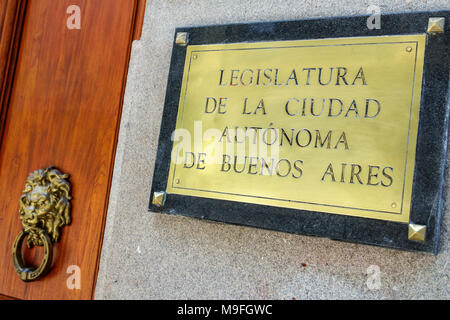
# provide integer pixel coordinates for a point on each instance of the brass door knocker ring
(30, 273)
(44, 210)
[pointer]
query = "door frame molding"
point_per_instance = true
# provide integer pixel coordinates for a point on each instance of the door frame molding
(12, 13)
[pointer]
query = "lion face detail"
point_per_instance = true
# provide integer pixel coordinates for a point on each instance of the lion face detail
(45, 205)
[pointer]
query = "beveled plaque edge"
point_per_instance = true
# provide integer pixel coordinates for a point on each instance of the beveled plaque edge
(428, 186)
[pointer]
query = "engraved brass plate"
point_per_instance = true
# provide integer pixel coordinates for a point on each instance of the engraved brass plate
(324, 125)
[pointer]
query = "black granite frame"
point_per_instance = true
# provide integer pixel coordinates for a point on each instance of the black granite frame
(428, 184)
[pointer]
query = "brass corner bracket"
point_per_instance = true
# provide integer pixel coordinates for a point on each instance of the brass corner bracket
(436, 25)
(182, 38)
(44, 210)
(417, 232)
(159, 197)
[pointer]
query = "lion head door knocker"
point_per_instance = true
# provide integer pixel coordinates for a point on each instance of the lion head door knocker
(44, 210)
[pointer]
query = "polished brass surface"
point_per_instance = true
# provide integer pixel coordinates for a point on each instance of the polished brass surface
(158, 198)
(29, 273)
(417, 232)
(181, 38)
(436, 25)
(44, 210)
(325, 125)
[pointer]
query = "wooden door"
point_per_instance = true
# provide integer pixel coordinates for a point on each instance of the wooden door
(62, 92)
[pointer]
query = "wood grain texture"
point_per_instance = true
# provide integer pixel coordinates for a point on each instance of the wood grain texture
(64, 110)
(11, 22)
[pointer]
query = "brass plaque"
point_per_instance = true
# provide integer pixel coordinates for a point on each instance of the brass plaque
(325, 125)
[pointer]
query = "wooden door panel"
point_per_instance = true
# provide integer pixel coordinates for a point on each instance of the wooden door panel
(64, 110)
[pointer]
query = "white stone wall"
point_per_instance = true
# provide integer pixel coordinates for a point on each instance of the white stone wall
(155, 256)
